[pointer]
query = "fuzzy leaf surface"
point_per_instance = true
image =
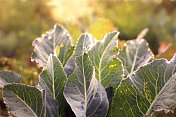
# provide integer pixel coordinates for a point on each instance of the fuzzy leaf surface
(135, 54)
(150, 90)
(108, 69)
(53, 79)
(8, 77)
(26, 101)
(57, 42)
(86, 96)
(81, 47)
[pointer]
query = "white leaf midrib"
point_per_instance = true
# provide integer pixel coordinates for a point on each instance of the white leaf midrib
(99, 70)
(53, 83)
(134, 61)
(23, 102)
(85, 91)
(156, 97)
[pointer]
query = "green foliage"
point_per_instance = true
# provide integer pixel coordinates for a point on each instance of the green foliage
(150, 90)
(82, 46)
(57, 42)
(24, 20)
(108, 69)
(28, 101)
(135, 54)
(53, 79)
(82, 86)
(8, 77)
(141, 87)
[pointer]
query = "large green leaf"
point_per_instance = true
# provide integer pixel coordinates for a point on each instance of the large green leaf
(57, 41)
(108, 69)
(135, 54)
(26, 101)
(151, 89)
(53, 79)
(8, 77)
(83, 44)
(86, 96)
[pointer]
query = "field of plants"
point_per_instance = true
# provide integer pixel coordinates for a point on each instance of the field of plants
(84, 58)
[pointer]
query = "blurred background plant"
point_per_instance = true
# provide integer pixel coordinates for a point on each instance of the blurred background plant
(22, 21)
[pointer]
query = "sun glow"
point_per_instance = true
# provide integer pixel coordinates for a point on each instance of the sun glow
(70, 10)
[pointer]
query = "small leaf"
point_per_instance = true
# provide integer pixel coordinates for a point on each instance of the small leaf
(142, 34)
(26, 101)
(108, 69)
(53, 79)
(150, 90)
(82, 46)
(83, 92)
(8, 77)
(49, 44)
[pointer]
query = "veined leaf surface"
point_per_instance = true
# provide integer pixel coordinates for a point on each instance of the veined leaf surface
(8, 77)
(108, 69)
(57, 42)
(86, 96)
(26, 101)
(135, 54)
(53, 79)
(82, 46)
(150, 90)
